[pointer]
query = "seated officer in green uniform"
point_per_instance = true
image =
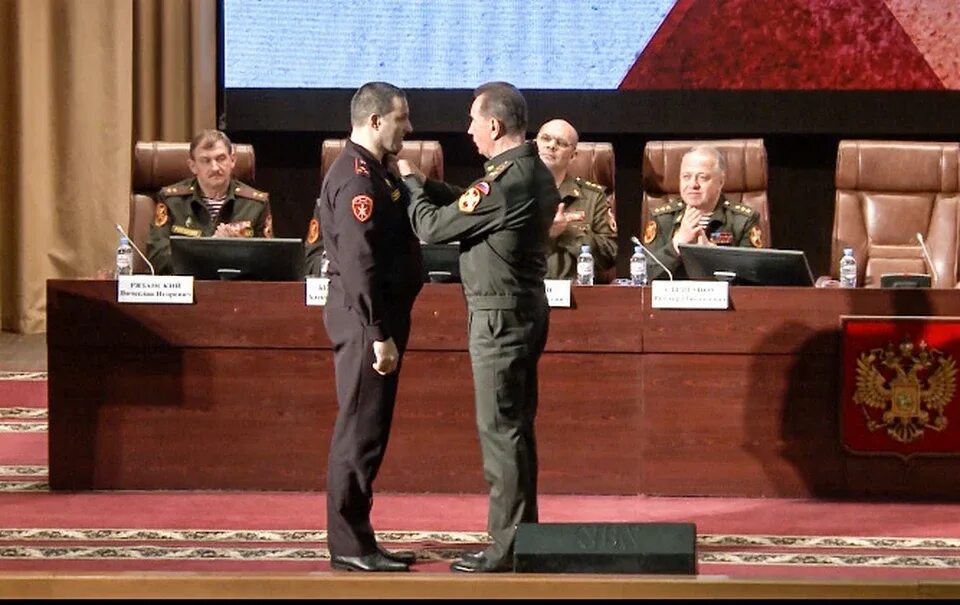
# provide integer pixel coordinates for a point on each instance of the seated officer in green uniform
(212, 203)
(702, 215)
(583, 216)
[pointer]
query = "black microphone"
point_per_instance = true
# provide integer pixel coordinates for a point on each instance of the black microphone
(134, 246)
(926, 257)
(636, 241)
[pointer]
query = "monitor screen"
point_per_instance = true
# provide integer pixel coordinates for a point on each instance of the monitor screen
(441, 262)
(746, 266)
(238, 258)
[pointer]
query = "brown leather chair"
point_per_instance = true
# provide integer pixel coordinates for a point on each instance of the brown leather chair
(595, 163)
(887, 192)
(157, 164)
(426, 155)
(746, 178)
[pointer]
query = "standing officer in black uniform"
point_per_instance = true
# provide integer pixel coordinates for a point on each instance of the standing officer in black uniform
(375, 274)
(501, 222)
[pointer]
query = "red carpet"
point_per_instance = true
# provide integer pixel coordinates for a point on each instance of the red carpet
(268, 531)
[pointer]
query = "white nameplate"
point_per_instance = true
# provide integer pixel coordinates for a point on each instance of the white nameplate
(170, 289)
(690, 294)
(558, 292)
(317, 289)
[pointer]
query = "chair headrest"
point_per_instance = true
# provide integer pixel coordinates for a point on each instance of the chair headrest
(746, 164)
(157, 164)
(898, 166)
(594, 162)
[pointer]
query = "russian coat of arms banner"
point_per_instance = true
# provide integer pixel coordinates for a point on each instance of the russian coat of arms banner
(899, 385)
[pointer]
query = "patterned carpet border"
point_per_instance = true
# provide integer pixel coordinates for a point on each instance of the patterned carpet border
(23, 375)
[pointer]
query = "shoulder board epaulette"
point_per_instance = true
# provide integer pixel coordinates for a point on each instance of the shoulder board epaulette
(494, 172)
(177, 189)
(247, 191)
(671, 206)
(743, 209)
(591, 185)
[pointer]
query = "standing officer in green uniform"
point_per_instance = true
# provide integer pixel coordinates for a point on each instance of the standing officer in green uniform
(702, 215)
(376, 272)
(212, 203)
(501, 222)
(583, 216)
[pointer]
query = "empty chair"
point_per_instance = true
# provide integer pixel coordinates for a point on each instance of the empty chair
(157, 164)
(886, 193)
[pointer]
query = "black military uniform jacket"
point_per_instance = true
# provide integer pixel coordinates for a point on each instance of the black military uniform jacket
(731, 224)
(501, 221)
(375, 258)
(595, 229)
(180, 211)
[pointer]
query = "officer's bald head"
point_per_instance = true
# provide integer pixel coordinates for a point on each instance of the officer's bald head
(373, 98)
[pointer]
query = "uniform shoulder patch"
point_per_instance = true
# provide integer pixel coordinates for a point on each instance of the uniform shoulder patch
(470, 199)
(313, 231)
(591, 185)
(494, 172)
(362, 206)
(242, 190)
(650, 232)
(670, 206)
(160, 214)
(756, 236)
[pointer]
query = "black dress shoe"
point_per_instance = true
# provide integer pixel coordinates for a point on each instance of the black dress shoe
(405, 557)
(471, 555)
(372, 562)
(479, 564)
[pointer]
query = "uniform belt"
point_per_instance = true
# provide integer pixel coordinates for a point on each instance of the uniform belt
(492, 302)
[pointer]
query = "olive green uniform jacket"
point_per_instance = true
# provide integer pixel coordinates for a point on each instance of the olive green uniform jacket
(595, 229)
(731, 224)
(180, 211)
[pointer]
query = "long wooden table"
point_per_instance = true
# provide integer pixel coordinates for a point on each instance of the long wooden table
(236, 392)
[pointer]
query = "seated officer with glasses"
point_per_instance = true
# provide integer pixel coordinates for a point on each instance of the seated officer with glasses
(583, 216)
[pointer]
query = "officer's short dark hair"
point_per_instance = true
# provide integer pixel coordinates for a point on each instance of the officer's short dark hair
(373, 97)
(206, 139)
(502, 101)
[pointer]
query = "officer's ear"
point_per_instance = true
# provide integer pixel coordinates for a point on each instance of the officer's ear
(496, 128)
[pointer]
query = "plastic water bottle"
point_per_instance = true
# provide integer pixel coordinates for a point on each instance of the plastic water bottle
(585, 266)
(638, 267)
(324, 264)
(124, 258)
(848, 269)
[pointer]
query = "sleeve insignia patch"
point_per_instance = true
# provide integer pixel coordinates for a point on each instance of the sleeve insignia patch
(160, 215)
(395, 195)
(650, 232)
(470, 198)
(756, 236)
(313, 231)
(268, 226)
(360, 167)
(612, 219)
(362, 206)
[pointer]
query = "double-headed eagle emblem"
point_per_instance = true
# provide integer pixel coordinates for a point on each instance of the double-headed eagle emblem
(903, 391)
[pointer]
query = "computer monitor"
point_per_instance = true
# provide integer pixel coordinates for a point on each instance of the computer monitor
(238, 258)
(746, 266)
(441, 262)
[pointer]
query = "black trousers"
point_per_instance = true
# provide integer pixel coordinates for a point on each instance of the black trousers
(365, 402)
(505, 348)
